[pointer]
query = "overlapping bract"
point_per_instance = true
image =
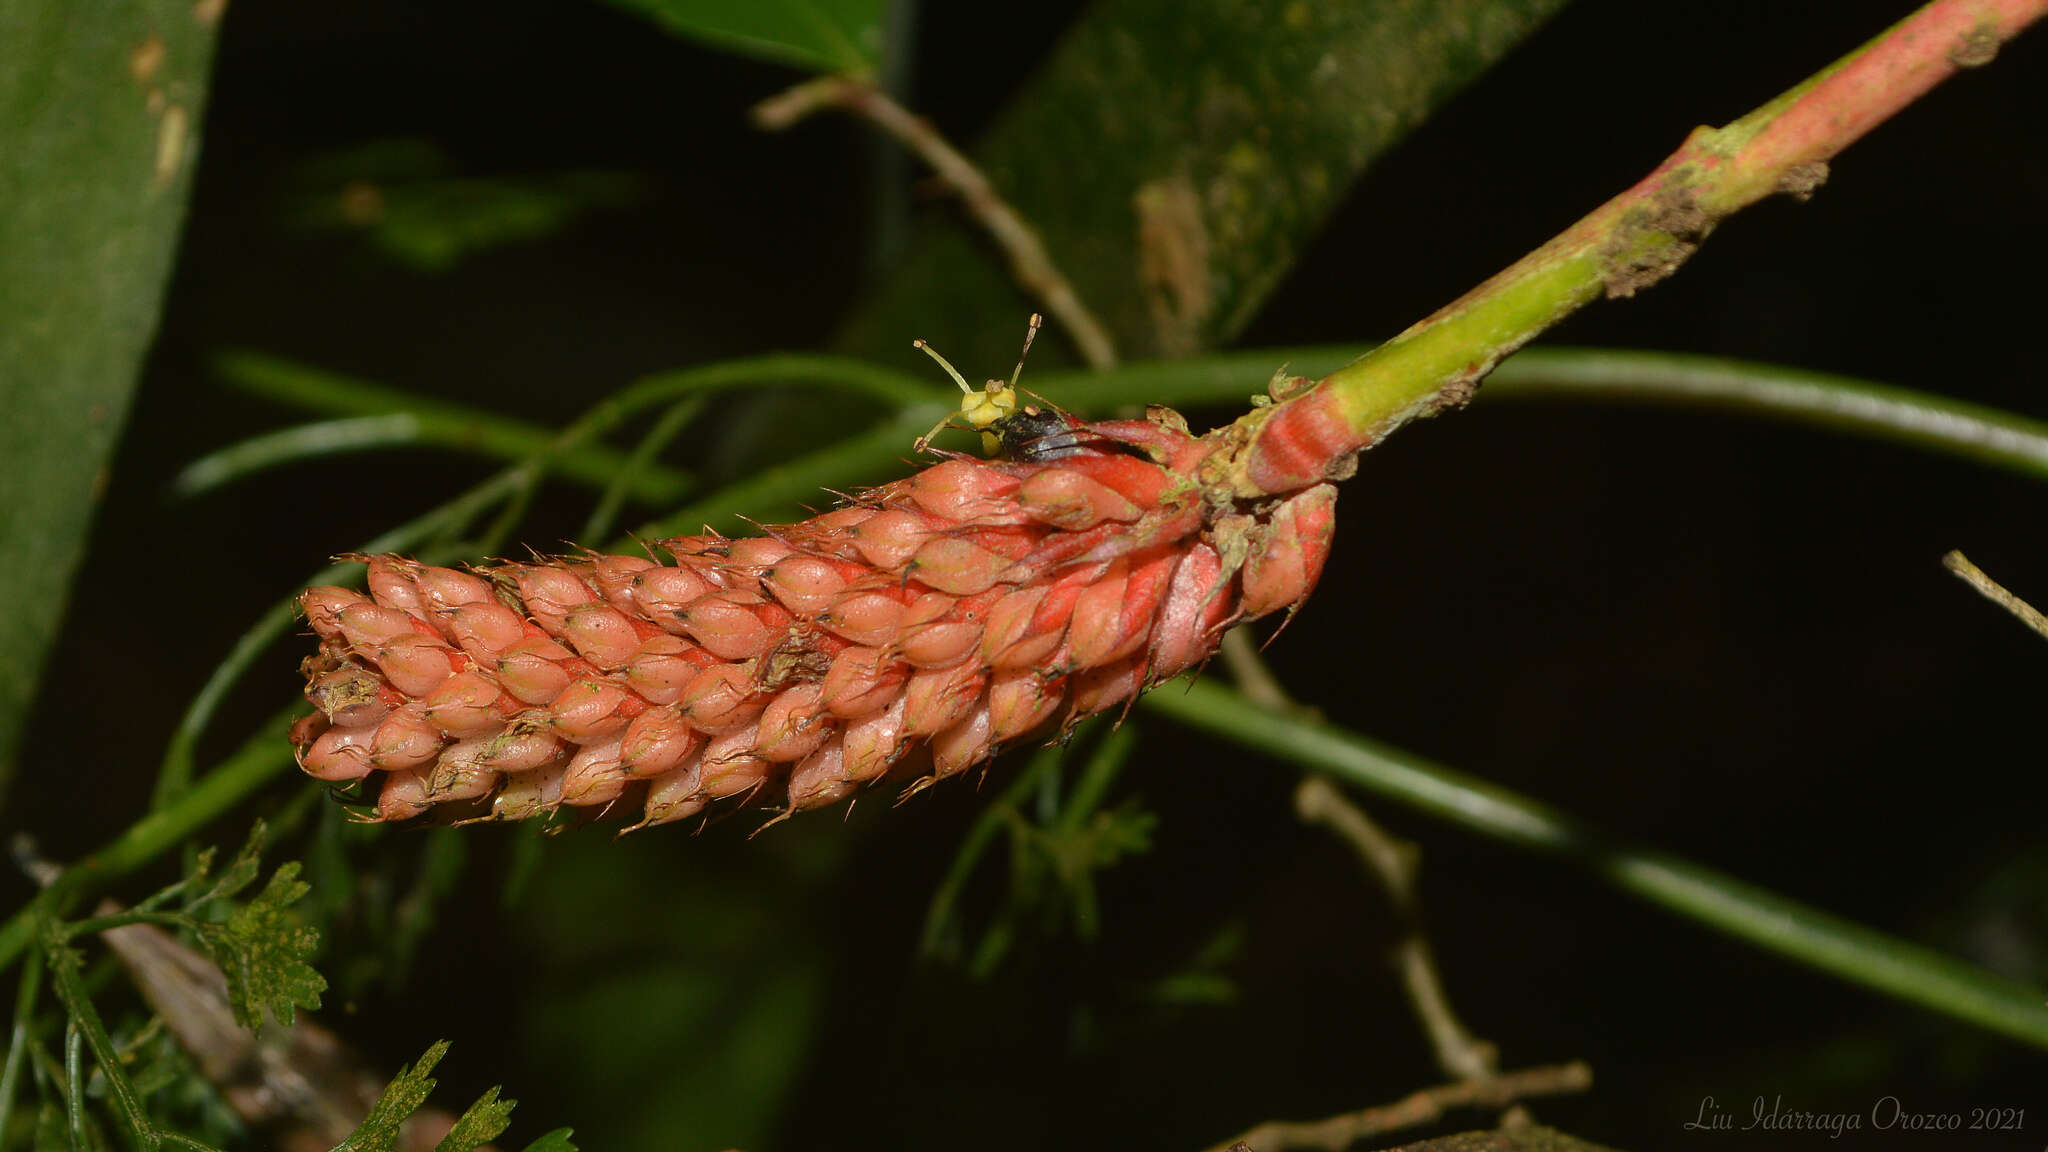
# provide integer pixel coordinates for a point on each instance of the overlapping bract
(916, 630)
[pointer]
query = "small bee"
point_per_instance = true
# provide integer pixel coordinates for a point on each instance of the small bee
(987, 410)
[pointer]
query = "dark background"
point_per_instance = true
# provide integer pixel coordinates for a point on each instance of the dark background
(1730, 640)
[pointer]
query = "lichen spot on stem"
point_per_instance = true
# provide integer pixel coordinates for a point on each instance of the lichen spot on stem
(1653, 241)
(1976, 48)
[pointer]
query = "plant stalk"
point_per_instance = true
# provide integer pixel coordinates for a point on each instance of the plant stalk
(1850, 951)
(1626, 245)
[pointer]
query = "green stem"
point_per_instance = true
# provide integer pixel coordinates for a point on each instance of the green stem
(993, 817)
(74, 1085)
(134, 1125)
(1097, 776)
(73, 929)
(1816, 399)
(1626, 245)
(18, 1038)
(1808, 935)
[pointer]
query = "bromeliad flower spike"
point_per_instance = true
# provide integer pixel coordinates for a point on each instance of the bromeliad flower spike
(933, 620)
(909, 634)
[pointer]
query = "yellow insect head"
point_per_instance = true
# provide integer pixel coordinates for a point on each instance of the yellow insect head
(981, 408)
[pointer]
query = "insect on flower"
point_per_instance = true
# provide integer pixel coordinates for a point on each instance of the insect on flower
(1010, 429)
(1034, 435)
(986, 410)
(909, 634)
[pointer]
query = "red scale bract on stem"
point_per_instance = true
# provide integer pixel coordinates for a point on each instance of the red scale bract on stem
(912, 633)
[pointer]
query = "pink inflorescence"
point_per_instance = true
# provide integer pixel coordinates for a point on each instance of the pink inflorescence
(916, 630)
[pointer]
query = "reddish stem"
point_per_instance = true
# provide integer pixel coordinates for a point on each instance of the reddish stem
(1624, 246)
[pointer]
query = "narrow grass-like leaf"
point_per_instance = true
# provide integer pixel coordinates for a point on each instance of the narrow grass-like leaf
(605, 515)
(1852, 952)
(789, 487)
(1817, 399)
(291, 445)
(408, 419)
(938, 916)
(26, 990)
(1604, 375)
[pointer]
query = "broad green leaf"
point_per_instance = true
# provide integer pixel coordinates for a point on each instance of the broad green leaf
(815, 35)
(556, 1141)
(100, 107)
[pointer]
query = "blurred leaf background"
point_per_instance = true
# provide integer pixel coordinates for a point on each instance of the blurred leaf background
(1730, 640)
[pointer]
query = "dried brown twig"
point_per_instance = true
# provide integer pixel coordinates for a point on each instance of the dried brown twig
(299, 1084)
(1393, 863)
(1995, 592)
(1472, 1061)
(1336, 1133)
(1029, 262)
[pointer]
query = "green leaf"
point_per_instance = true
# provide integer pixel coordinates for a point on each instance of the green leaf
(262, 947)
(265, 952)
(815, 35)
(241, 872)
(1850, 951)
(400, 1099)
(556, 1141)
(84, 1028)
(100, 108)
(485, 1119)
(432, 422)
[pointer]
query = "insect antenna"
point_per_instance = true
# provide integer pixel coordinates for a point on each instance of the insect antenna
(1030, 334)
(948, 365)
